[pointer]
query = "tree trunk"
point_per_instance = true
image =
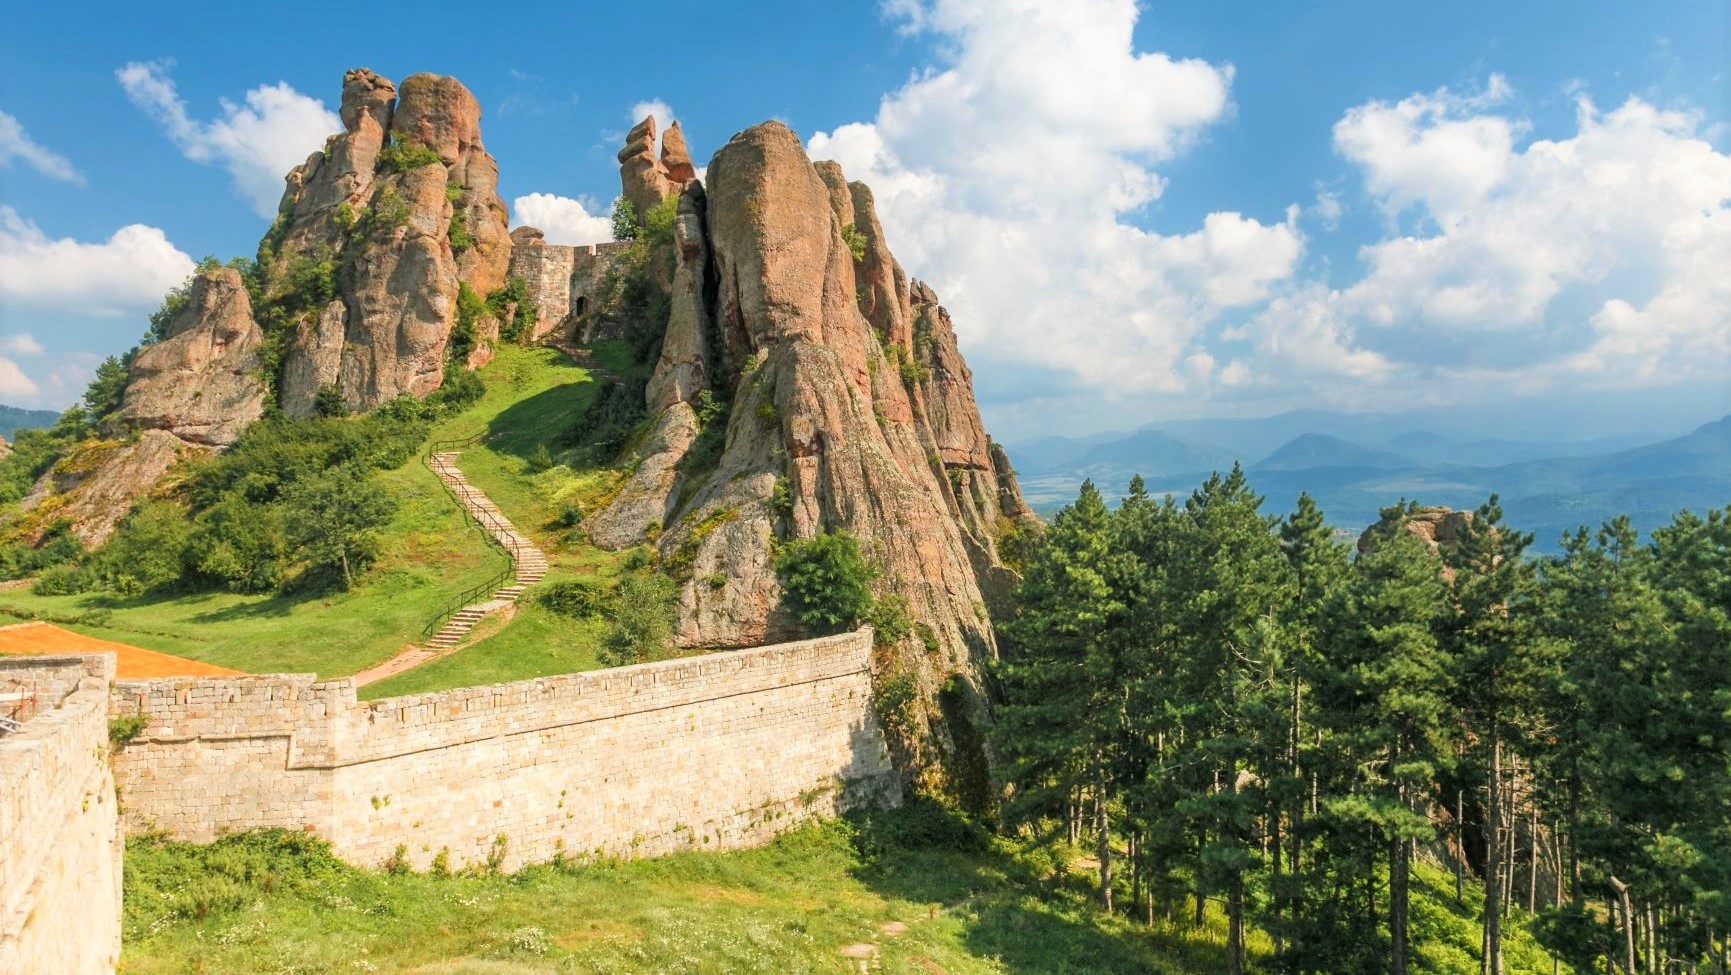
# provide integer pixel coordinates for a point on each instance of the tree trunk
(1460, 847)
(1104, 842)
(1622, 891)
(1235, 926)
(1399, 860)
(1493, 932)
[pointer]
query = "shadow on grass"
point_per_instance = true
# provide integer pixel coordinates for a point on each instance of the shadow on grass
(273, 607)
(1012, 907)
(540, 420)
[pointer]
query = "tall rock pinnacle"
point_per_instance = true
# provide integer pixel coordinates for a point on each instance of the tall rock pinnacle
(850, 409)
(403, 208)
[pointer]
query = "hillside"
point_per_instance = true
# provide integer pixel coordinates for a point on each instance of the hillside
(14, 419)
(1548, 496)
(1321, 450)
(428, 554)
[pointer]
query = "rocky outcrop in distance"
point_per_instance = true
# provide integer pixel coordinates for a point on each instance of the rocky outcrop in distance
(1438, 527)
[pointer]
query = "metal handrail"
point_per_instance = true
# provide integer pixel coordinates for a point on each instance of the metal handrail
(456, 603)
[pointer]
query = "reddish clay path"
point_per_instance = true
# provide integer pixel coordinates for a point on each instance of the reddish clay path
(130, 662)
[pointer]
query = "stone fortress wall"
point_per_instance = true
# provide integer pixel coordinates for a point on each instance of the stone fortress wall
(60, 841)
(567, 283)
(717, 751)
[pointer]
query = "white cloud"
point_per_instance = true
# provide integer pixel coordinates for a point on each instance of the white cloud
(20, 344)
(258, 143)
(1006, 180)
(1431, 149)
(15, 143)
(563, 219)
(13, 382)
(127, 273)
(1598, 258)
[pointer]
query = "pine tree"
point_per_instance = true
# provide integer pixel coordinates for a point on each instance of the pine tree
(1499, 664)
(1384, 698)
(1060, 727)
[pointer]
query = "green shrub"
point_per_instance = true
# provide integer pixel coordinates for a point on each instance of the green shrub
(458, 232)
(891, 619)
(577, 599)
(400, 155)
(856, 241)
(57, 547)
(328, 401)
(64, 580)
(125, 728)
(624, 219)
(645, 612)
(705, 451)
(513, 297)
(389, 212)
(826, 581)
(465, 332)
(148, 551)
(781, 498)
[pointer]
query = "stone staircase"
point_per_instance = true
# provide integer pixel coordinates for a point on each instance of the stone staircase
(528, 565)
(530, 562)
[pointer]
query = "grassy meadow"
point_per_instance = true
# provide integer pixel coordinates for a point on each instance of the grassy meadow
(917, 890)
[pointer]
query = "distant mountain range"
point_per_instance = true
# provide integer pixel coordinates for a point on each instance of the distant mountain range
(1546, 487)
(14, 419)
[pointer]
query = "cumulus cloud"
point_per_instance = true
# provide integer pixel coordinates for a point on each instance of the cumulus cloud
(127, 273)
(13, 382)
(20, 344)
(1598, 258)
(1009, 180)
(563, 219)
(15, 143)
(258, 142)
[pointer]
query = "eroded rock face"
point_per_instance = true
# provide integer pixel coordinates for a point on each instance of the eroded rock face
(201, 382)
(95, 485)
(401, 239)
(845, 415)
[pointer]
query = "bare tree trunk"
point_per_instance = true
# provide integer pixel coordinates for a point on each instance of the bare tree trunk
(1533, 861)
(1460, 847)
(1104, 842)
(1622, 891)
(1493, 932)
(1235, 926)
(1399, 860)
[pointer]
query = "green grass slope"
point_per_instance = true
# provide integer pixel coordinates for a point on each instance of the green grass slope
(930, 894)
(429, 556)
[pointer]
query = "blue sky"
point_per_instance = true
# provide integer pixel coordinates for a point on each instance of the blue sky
(1198, 208)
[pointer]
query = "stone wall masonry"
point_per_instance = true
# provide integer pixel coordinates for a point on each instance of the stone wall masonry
(546, 268)
(570, 283)
(718, 751)
(60, 839)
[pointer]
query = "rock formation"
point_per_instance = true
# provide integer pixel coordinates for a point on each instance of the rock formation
(644, 180)
(1438, 527)
(360, 274)
(97, 483)
(851, 409)
(403, 208)
(201, 381)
